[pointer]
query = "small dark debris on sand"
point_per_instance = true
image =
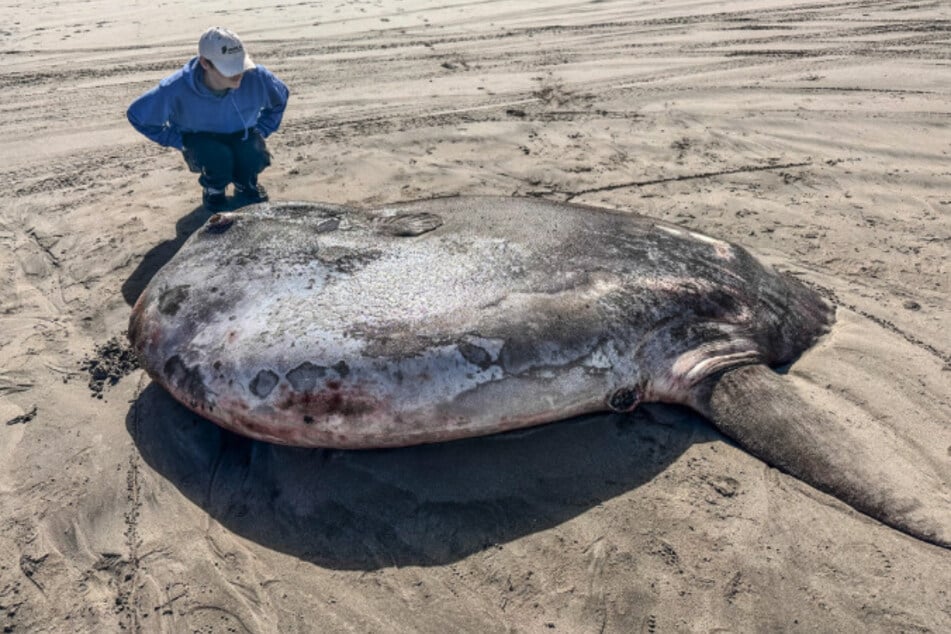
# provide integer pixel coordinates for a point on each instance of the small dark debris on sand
(23, 418)
(111, 361)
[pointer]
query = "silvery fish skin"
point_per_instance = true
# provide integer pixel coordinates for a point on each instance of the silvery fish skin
(320, 325)
(327, 326)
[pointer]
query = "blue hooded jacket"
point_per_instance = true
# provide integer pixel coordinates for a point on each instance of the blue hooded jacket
(182, 103)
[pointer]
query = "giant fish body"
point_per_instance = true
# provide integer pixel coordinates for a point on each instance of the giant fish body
(327, 326)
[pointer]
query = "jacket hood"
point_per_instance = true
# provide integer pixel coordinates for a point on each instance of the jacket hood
(194, 76)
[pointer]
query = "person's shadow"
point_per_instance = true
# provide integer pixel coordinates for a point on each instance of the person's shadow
(159, 255)
(423, 505)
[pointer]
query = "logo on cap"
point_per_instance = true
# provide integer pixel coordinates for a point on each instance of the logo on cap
(223, 48)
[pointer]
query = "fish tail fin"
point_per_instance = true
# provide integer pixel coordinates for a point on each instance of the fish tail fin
(865, 465)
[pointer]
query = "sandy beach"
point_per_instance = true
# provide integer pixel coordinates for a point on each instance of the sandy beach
(814, 133)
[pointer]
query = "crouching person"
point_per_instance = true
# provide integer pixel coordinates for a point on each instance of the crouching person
(217, 109)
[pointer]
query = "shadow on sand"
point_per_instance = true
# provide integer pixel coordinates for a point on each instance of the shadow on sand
(424, 505)
(162, 253)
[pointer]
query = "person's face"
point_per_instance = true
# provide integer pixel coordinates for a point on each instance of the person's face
(216, 80)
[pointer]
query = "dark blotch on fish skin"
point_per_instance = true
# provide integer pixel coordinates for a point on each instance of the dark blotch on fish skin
(517, 355)
(342, 369)
(475, 355)
(344, 260)
(324, 402)
(262, 384)
(186, 379)
(328, 225)
(304, 377)
(624, 399)
(171, 299)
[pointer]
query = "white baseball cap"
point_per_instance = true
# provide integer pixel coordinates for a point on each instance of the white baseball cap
(224, 49)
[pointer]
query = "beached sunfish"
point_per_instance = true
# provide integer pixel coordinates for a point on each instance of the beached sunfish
(327, 326)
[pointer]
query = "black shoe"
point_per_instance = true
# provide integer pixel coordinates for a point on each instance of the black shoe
(250, 194)
(214, 201)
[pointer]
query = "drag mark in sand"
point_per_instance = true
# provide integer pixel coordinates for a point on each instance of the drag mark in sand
(29, 565)
(43, 243)
(125, 601)
(831, 295)
(10, 385)
(673, 179)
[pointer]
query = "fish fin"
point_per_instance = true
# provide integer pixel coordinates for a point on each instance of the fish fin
(408, 224)
(866, 466)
